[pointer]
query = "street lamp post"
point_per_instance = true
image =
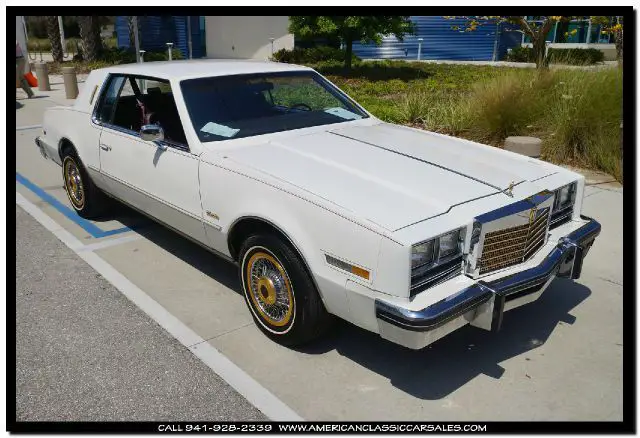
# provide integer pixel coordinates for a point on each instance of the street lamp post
(272, 40)
(419, 47)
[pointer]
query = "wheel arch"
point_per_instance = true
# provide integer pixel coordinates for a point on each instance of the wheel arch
(65, 143)
(244, 226)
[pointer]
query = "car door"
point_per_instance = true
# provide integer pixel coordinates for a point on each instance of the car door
(160, 178)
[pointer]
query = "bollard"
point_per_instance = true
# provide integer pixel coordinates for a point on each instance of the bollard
(529, 146)
(70, 82)
(42, 74)
(169, 47)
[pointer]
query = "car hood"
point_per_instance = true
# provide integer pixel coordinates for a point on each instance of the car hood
(388, 174)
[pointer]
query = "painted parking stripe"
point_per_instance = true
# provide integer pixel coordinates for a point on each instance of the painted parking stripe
(111, 242)
(245, 385)
(25, 128)
(86, 225)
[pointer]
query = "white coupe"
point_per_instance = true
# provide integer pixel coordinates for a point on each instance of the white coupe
(325, 209)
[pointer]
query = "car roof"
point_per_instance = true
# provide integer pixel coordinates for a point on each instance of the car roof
(182, 69)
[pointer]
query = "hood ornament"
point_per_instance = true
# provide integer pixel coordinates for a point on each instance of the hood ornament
(509, 190)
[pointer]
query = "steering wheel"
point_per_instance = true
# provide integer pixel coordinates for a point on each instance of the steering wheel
(301, 105)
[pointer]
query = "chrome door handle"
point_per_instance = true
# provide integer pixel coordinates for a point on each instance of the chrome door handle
(105, 147)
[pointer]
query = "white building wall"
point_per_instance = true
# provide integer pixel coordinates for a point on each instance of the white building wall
(246, 37)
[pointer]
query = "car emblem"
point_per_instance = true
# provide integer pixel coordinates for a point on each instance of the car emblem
(533, 214)
(509, 190)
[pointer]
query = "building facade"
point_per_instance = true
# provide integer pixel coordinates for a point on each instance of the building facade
(444, 39)
(436, 38)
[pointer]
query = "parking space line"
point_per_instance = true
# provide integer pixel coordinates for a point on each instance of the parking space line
(111, 242)
(239, 380)
(25, 128)
(86, 225)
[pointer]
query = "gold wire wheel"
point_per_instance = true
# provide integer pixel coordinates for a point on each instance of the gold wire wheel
(269, 289)
(73, 183)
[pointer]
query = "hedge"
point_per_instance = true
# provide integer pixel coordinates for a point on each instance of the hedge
(311, 55)
(558, 56)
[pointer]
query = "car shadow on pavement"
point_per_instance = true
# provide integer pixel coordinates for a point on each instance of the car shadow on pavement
(441, 368)
(222, 271)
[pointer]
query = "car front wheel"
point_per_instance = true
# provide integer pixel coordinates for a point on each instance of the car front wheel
(86, 199)
(280, 293)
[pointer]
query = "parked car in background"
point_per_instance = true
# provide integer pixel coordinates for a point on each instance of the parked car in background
(325, 209)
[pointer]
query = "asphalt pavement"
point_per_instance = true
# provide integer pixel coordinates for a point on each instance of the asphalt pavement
(86, 353)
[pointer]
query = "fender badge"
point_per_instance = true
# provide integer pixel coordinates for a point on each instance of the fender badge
(213, 215)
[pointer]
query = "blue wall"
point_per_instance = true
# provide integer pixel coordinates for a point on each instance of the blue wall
(440, 41)
(156, 31)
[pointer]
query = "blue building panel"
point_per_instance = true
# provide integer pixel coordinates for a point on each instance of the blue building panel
(156, 31)
(441, 41)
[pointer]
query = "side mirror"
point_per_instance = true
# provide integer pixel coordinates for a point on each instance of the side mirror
(152, 133)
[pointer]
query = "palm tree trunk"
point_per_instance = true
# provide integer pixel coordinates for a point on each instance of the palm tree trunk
(90, 34)
(348, 49)
(53, 33)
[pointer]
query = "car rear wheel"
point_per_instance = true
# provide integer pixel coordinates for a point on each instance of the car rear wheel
(279, 291)
(86, 199)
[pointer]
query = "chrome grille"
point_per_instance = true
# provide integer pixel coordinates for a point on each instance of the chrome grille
(510, 246)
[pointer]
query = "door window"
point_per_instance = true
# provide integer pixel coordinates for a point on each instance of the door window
(131, 102)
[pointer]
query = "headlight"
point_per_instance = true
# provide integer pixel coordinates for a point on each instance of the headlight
(563, 202)
(426, 254)
(564, 197)
(422, 254)
(449, 244)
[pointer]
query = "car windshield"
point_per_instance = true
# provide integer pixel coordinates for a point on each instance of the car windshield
(226, 107)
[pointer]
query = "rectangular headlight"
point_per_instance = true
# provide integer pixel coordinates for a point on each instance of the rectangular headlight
(562, 209)
(449, 244)
(425, 254)
(422, 254)
(565, 197)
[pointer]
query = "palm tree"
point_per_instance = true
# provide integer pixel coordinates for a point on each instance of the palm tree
(53, 32)
(90, 34)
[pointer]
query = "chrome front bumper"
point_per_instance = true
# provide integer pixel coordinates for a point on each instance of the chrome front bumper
(484, 303)
(48, 151)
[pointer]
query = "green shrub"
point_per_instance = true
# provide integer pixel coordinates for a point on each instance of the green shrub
(71, 44)
(558, 56)
(311, 55)
(520, 54)
(576, 56)
(584, 123)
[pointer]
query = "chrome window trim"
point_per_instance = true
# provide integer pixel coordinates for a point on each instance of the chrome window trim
(169, 143)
